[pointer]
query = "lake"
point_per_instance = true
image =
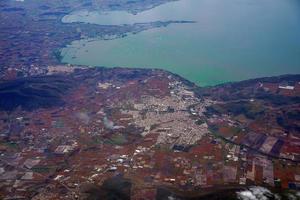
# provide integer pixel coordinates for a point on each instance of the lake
(231, 40)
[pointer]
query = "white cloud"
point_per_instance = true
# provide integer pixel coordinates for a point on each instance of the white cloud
(255, 193)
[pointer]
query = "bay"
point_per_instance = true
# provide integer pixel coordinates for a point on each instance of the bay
(231, 40)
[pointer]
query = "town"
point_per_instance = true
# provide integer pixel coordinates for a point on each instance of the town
(150, 127)
(82, 132)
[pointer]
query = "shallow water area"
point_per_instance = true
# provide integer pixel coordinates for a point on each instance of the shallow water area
(230, 41)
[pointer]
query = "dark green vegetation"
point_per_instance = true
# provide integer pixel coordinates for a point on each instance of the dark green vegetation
(289, 119)
(34, 92)
(101, 132)
(245, 90)
(116, 188)
(247, 108)
(46, 91)
(230, 193)
(256, 110)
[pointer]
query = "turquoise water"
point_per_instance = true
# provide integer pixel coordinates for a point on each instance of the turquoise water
(231, 40)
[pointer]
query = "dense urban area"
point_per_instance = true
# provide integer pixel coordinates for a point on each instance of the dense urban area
(72, 129)
(72, 132)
